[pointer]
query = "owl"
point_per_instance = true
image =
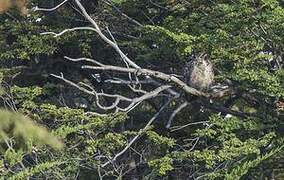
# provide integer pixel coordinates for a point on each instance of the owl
(198, 72)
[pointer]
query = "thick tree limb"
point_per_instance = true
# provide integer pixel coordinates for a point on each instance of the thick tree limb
(158, 75)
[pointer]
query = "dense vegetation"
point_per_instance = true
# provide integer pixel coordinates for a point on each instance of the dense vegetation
(52, 128)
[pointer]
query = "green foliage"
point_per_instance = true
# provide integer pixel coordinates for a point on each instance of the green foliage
(118, 2)
(22, 41)
(227, 142)
(162, 165)
(13, 157)
(160, 140)
(34, 170)
(109, 144)
(25, 93)
(244, 40)
(169, 39)
(19, 126)
(243, 169)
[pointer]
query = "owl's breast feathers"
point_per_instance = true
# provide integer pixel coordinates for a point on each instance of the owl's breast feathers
(198, 73)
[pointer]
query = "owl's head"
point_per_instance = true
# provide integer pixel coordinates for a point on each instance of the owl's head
(202, 57)
(202, 60)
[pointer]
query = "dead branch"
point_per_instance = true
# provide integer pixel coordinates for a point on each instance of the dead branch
(50, 9)
(132, 102)
(155, 74)
(68, 30)
(106, 39)
(141, 132)
(173, 115)
(176, 128)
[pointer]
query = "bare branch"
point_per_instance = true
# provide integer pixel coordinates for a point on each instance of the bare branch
(106, 39)
(50, 9)
(132, 102)
(173, 115)
(139, 134)
(176, 128)
(83, 59)
(68, 30)
(121, 81)
(151, 73)
(95, 114)
(228, 110)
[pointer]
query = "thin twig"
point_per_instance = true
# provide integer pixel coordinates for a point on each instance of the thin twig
(173, 115)
(139, 134)
(107, 40)
(176, 128)
(68, 30)
(50, 9)
(132, 102)
(151, 73)
(123, 14)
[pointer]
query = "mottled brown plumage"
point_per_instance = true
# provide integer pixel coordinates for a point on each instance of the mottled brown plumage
(198, 72)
